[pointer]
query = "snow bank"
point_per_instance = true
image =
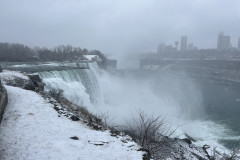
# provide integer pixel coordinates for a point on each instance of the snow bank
(92, 57)
(7, 75)
(32, 129)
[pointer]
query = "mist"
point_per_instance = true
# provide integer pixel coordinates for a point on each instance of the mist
(175, 97)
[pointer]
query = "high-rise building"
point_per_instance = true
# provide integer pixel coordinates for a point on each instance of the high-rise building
(176, 44)
(170, 49)
(223, 42)
(183, 46)
(161, 48)
(220, 35)
(239, 43)
(190, 46)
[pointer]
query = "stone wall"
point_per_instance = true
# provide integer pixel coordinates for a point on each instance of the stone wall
(3, 100)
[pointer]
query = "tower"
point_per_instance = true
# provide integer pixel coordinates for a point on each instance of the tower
(183, 46)
(161, 48)
(219, 41)
(223, 42)
(176, 45)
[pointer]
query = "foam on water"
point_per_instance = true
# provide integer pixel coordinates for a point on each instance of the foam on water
(205, 132)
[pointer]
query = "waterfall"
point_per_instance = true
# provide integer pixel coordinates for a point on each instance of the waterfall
(79, 85)
(162, 93)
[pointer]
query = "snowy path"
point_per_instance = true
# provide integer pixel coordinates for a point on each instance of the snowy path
(32, 130)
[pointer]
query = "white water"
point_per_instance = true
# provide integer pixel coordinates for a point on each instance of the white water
(80, 86)
(175, 97)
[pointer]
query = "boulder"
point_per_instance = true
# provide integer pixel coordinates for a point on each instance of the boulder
(35, 78)
(13, 78)
(74, 138)
(30, 82)
(36, 83)
(74, 118)
(187, 140)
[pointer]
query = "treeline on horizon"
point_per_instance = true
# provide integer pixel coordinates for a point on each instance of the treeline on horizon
(15, 52)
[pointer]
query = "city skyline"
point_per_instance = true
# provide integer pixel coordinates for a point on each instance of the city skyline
(223, 43)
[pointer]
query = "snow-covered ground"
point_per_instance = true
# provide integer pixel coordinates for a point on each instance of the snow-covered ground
(7, 75)
(91, 57)
(31, 129)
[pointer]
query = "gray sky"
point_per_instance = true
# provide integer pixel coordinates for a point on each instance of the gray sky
(118, 26)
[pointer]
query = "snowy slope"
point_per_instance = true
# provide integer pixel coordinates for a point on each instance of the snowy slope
(32, 129)
(7, 75)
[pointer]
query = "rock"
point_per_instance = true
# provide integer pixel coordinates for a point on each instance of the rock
(190, 137)
(35, 78)
(146, 156)
(114, 132)
(124, 141)
(29, 86)
(37, 83)
(74, 138)
(143, 149)
(96, 127)
(18, 82)
(74, 118)
(205, 147)
(99, 144)
(187, 140)
(17, 79)
(56, 108)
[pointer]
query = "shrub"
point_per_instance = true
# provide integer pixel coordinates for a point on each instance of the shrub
(150, 132)
(56, 93)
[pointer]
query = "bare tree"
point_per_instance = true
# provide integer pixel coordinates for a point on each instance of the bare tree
(56, 93)
(105, 119)
(150, 132)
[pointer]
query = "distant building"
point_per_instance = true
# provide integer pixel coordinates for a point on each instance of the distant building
(220, 35)
(176, 44)
(183, 46)
(161, 48)
(223, 42)
(166, 49)
(191, 47)
(170, 49)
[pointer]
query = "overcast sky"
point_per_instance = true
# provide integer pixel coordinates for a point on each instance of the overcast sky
(118, 26)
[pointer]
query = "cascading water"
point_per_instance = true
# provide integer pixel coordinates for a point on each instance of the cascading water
(79, 85)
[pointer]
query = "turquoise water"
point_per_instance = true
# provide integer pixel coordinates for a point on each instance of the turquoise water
(222, 105)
